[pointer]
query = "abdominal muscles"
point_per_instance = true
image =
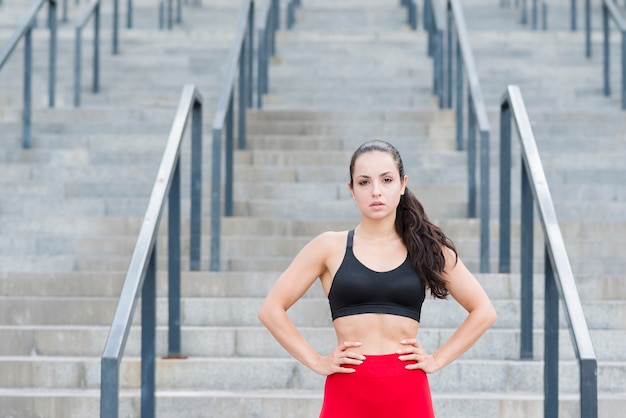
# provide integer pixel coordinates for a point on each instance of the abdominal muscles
(378, 333)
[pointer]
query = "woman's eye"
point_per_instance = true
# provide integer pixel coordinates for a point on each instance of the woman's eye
(387, 180)
(363, 183)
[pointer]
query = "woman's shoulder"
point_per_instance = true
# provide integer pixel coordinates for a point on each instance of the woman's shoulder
(331, 239)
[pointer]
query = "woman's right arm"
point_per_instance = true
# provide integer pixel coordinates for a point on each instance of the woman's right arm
(306, 267)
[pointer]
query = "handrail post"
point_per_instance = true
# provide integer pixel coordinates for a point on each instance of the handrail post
(588, 388)
(624, 69)
(471, 157)
(448, 76)
(77, 66)
(588, 28)
(174, 265)
(129, 14)
(484, 201)
(148, 331)
(551, 341)
(195, 232)
(573, 15)
(96, 48)
(216, 207)
(504, 265)
(459, 98)
(526, 260)
(607, 50)
(230, 147)
(261, 66)
(115, 27)
(52, 21)
(242, 95)
(109, 387)
(28, 77)
(249, 48)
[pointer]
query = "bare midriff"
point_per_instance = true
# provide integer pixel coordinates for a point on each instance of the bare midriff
(377, 333)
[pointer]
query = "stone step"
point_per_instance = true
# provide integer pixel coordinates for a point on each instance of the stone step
(243, 374)
(251, 342)
(281, 403)
(230, 284)
(311, 312)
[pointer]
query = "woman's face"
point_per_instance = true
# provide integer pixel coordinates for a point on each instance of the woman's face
(377, 185)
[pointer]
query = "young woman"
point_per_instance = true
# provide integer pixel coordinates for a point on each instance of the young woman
(376, 277)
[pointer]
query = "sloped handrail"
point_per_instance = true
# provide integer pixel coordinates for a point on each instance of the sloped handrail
(141, 276)
(476, 120)
(611, 12)
(92, 11)
(24, 30)
(559, 278)
(241, 57)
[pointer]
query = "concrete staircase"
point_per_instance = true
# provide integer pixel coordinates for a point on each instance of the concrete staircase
(71, 208)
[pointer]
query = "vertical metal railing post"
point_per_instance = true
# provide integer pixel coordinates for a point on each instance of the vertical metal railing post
(96, 49)
(459, 99)
(195, 232)
(573, 15)
(174, 264)
(115, 27)
(449, 57)
(64, 12)
(551, 341)
(216, 206)
(606, 30)
(170, 14)
(129, 14)
(524, 18)
(471, 158)
(77, 64)
(526, 260)
(179, 11)
(242, 95)
(28, 80)
(52, 22)
(484, 200)
(262, 65)
(624, 69)
(504, 265)
(588, 28)
(230, 151)
(148, 339)
(588, 381)
(249, 50)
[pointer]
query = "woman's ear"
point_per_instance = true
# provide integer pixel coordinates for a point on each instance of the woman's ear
(350, 188)
(405, 181)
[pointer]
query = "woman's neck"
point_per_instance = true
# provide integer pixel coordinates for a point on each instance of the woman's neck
(378, 230)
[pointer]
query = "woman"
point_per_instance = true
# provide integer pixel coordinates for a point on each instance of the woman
(376, 278)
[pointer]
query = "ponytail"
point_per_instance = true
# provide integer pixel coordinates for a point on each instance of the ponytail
(425, 243)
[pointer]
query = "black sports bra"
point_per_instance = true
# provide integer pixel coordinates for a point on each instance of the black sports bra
(357, 289)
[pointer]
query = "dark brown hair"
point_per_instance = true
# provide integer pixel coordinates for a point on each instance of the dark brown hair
(424, 241)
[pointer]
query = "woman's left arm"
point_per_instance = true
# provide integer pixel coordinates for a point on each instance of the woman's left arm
(466, 290)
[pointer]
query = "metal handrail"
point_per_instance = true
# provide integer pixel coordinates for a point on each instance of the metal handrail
(241, 56)
(24, 30)
(267, 47)
(559, 278)
(92, 11)
(476, 119)
(129, 22)
(611, 12)
(141, 275)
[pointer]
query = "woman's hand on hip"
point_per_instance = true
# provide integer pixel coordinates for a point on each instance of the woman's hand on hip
(414, 352)
(338, 358)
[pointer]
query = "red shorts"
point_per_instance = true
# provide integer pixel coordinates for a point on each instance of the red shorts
(379, 388)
